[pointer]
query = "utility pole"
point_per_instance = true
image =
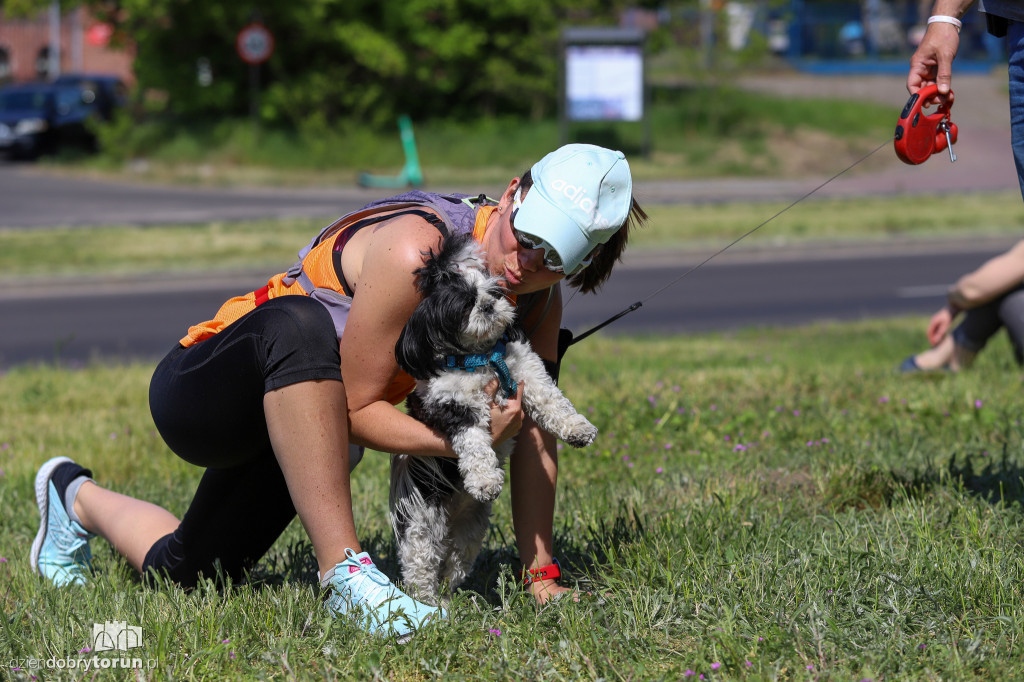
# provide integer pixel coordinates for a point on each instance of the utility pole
(53, 68)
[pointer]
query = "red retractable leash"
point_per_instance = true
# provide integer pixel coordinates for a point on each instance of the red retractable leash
(919, 135)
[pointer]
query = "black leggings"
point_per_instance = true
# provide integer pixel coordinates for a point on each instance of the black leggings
(983, 322)
(207, 403)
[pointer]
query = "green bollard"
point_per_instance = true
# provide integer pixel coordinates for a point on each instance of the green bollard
(411, 174)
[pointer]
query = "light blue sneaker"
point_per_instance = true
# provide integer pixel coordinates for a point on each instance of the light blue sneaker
(60, 551)
(360, 590)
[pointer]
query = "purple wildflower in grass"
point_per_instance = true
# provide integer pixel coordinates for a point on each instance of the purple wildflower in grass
(15, 670)
(676, 388)
(231, 654)
(113, 436)
(657, 421)
(978, 404)
(716, 666)
(659, 470)
(668, 446)
(3, 560)
(922, 646)
(884, 399)
(810, 667)
(713, 407)
(625, 458)
(5, 446)
(84, 650)
(681, 410)
(652, 400)
(629, 465)
(749, 664)
(811, 443)
(727, 438)
(796, 413)
(225, 641)
(495, 631)
(688, 673)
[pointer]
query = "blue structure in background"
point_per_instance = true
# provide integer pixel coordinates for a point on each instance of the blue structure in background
(871, 36)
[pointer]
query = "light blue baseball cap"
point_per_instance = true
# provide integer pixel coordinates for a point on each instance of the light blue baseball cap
(581, 196)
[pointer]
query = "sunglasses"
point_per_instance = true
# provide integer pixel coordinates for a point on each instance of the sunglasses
(552, 261)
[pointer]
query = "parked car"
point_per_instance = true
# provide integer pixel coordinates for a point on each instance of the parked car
(103, 91)
(38, 118)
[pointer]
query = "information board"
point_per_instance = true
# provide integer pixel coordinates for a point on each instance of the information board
(604, 82)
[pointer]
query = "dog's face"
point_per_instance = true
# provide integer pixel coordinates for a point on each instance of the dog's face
(464, 309)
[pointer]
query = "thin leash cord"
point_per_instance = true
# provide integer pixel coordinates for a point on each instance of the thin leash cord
(639, 303)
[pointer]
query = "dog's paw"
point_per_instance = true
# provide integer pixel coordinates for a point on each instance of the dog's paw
(580, 432)
(485, 486)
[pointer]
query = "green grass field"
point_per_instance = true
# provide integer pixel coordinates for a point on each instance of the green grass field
(696, 131)
(271, 245)
(767, 504)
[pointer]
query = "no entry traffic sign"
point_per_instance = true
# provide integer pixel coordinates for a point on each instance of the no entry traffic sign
(255, 43)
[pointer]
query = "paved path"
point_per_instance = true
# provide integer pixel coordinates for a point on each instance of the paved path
(44, 322)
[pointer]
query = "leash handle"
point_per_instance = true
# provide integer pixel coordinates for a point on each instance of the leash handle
(919, 135)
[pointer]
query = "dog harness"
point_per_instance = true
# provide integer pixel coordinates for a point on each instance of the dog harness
(495, 360)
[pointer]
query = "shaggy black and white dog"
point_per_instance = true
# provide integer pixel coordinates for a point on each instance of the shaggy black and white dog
(461, 337)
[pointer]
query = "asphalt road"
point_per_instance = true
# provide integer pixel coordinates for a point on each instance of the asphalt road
(111, 320)
(80, 321)
(32, 198)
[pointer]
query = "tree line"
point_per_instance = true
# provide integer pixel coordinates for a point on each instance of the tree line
(350, 60)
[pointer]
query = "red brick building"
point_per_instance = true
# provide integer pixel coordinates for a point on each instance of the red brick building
(84, 47)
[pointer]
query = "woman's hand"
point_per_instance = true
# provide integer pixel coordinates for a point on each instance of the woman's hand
(939, 325)
(507, 419)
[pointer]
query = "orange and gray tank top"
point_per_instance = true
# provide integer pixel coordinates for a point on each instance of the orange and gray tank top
(317, 272)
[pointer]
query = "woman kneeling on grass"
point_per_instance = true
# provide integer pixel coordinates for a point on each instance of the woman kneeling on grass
(275, 402)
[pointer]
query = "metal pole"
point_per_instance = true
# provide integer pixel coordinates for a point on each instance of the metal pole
(53, 67)
(254, 93)
(563, 113)
(76, 40)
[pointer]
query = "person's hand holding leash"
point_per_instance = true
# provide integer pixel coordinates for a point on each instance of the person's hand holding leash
(932, 62)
